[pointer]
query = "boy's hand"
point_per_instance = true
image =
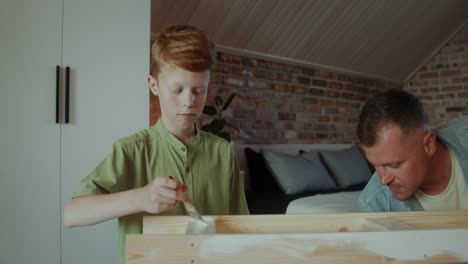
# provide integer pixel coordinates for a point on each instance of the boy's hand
(163, 194)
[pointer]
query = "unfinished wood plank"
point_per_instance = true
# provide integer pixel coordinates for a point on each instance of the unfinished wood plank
(409, 246)
(280, 224)
(259, 224)
(433, 220)
(165, 224)
(389, 224)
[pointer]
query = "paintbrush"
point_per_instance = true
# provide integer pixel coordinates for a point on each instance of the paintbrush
(193, 212)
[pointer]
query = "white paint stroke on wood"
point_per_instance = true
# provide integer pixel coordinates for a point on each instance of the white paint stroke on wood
(409, 246)
(404, 245)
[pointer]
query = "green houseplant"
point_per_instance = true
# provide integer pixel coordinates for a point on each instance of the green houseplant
(218, 123)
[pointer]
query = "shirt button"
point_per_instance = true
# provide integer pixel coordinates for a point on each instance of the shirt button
(183, 149)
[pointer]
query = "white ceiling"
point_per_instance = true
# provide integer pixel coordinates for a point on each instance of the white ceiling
(385, 39)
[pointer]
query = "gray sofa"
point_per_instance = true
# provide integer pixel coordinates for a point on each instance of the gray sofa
(277, 174)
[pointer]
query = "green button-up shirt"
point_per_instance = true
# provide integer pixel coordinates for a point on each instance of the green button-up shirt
(206, 164)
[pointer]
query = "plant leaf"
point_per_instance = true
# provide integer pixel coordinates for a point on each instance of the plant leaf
(229, 101)
(225, 135)
(207, 127)
(233, 127)
(218, 100)
(218, 125)
(209, 110)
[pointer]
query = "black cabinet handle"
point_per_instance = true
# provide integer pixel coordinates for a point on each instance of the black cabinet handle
(67, 95)
(57, 95)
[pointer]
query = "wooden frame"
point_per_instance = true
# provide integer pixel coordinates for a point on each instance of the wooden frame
(409, 237)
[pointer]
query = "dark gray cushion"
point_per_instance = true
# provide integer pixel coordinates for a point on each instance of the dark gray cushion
(295, 174)
(347, 167)
(312, 156)
(261, 178)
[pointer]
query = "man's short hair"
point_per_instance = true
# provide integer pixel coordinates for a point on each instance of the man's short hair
(394, 106)
(184, 46)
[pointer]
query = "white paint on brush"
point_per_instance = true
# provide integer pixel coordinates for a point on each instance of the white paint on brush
(198, 228)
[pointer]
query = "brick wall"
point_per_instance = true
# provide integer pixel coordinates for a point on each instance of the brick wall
(442, 83)
(283, 103)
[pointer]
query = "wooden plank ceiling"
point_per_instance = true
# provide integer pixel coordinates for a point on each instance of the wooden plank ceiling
(385, 39)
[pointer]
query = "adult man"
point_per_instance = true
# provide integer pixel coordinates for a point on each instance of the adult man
(416, 168)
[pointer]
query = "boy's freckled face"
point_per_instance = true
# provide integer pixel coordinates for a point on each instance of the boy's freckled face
(182, 96)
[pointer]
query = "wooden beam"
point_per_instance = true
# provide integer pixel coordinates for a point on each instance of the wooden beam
(388, 224)
(313, 223)
(404, 237)
(414, 246)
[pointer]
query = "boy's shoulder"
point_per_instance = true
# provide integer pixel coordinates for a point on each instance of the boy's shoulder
(213, 139)
(139, 137)
(150, 134)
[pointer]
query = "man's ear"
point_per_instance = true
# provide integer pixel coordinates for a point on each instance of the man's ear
(153, 84)
(430, 143)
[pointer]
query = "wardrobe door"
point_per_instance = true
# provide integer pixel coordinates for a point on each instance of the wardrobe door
(106, 45)
(30, 50)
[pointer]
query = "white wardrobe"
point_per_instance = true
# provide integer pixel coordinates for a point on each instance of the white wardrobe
(106, 45)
